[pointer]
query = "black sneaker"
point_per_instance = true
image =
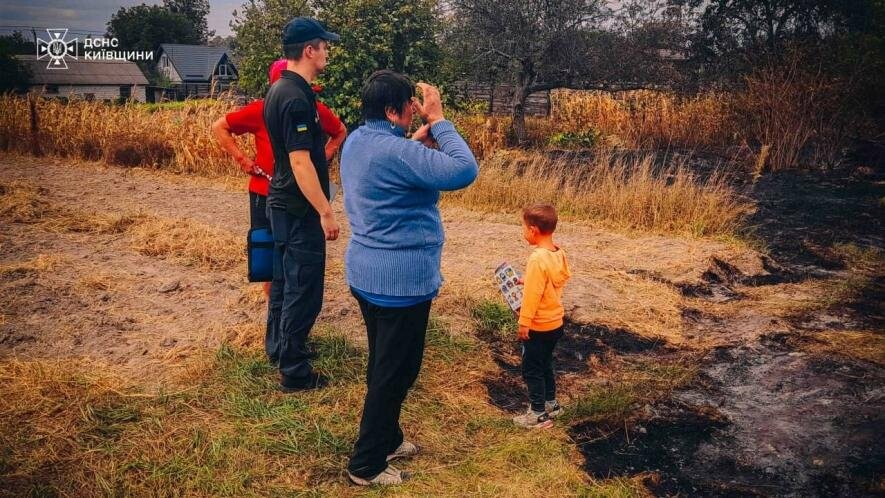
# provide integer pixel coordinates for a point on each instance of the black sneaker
(295, 384)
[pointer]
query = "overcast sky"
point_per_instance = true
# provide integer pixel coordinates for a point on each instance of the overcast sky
(92, 15)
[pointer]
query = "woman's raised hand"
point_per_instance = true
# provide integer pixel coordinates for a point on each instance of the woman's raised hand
(431, 109)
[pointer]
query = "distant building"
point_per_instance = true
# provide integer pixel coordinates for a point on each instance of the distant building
(196, 70)
(90, 80)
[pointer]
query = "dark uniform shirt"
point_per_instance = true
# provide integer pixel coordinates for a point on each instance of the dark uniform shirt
(290, 114)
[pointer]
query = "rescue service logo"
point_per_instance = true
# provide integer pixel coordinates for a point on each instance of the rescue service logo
(58, 48)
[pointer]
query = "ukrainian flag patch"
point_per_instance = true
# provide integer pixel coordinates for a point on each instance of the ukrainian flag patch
(301, 128)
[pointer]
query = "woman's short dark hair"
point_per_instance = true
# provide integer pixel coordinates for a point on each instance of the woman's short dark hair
(383, 89)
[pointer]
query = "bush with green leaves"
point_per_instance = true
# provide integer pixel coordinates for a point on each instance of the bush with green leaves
(574, 140)
(375, 34)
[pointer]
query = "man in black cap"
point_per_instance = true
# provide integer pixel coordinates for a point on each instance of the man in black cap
(298, 206)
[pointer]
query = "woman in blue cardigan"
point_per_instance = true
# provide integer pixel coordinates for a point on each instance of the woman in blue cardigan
(392, 186)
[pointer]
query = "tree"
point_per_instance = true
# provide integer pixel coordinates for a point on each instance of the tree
(734, 36)
(378, 34)
(258, 26)
(375, 34)
(145, 27)
(16, 43)
(15, 75)
(539, 45)
(222, 41)
(195, 11)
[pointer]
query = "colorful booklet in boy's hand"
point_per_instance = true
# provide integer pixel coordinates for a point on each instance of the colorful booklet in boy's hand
(507, 278)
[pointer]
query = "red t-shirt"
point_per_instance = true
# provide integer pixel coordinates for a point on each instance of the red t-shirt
(250, 119)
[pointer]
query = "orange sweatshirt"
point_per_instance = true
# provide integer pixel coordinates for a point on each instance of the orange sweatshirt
(545, 276)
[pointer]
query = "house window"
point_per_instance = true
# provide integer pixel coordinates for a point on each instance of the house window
(164, 61)
(222, 70)
(125, 91)
(52, 89)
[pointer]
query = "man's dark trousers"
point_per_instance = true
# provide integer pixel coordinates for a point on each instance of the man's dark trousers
(537, 366)
(297, 290)
(396, 349)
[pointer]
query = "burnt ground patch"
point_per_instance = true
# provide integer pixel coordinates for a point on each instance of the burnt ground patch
(760, 419)
(580, 346)
(661, 448)
(804, 218)
(720, 281)
(799, 214)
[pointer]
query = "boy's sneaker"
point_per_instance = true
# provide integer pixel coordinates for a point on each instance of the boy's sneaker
(391, 475)
(533, 420)
(553, 409)
(404, 450)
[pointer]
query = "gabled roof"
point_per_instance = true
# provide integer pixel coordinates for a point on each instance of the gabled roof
(84, 72)
(194, 62)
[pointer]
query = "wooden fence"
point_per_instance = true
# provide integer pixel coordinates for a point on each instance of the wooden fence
(499, 98)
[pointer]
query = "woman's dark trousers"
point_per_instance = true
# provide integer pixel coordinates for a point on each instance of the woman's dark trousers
(396, 348)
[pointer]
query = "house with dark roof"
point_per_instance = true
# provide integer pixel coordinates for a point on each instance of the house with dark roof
(196, 70)
(87, 79)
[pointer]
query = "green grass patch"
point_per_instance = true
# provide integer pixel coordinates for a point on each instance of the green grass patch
(493, 317)
(442, 345)
(232, 433)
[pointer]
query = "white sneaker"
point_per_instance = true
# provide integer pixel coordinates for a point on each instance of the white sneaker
(404, 450)
(552, 408)
(390, 476)
(533, 420)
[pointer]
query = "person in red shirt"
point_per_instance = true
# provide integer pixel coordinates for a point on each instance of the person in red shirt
(250, 119)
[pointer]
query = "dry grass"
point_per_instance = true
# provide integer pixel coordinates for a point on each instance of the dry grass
(189, 241)
(183, 239)
(617, 192)
(178, 138)
(66, 426)
(647, 119)
(20, 202)
(638, 119)
(863, 344)
(40, 263)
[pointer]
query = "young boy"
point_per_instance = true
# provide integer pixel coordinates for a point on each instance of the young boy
(541, 315)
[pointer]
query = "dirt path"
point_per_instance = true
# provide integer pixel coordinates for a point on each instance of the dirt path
(606, 287)
(766, 416)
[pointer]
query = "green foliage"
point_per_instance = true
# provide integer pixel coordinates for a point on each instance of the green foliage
(145, 27)
(16, 43)
(258, 26)
(442, 345)
(196, 12)
(377, 34)
(574, 140)
(16, 75)
(494, 317)
(610, 403)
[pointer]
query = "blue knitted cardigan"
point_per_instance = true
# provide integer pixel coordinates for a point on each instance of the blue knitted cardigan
(391, 189)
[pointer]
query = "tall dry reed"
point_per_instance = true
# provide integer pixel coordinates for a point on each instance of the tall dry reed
(178, 137)
(613, 190)
(795, 117)
(646, 119)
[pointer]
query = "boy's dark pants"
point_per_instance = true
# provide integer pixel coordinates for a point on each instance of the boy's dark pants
(296, 294)
(537, 366)
(396, 348)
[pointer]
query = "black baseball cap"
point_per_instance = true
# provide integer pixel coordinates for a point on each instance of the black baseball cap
(302, 29)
